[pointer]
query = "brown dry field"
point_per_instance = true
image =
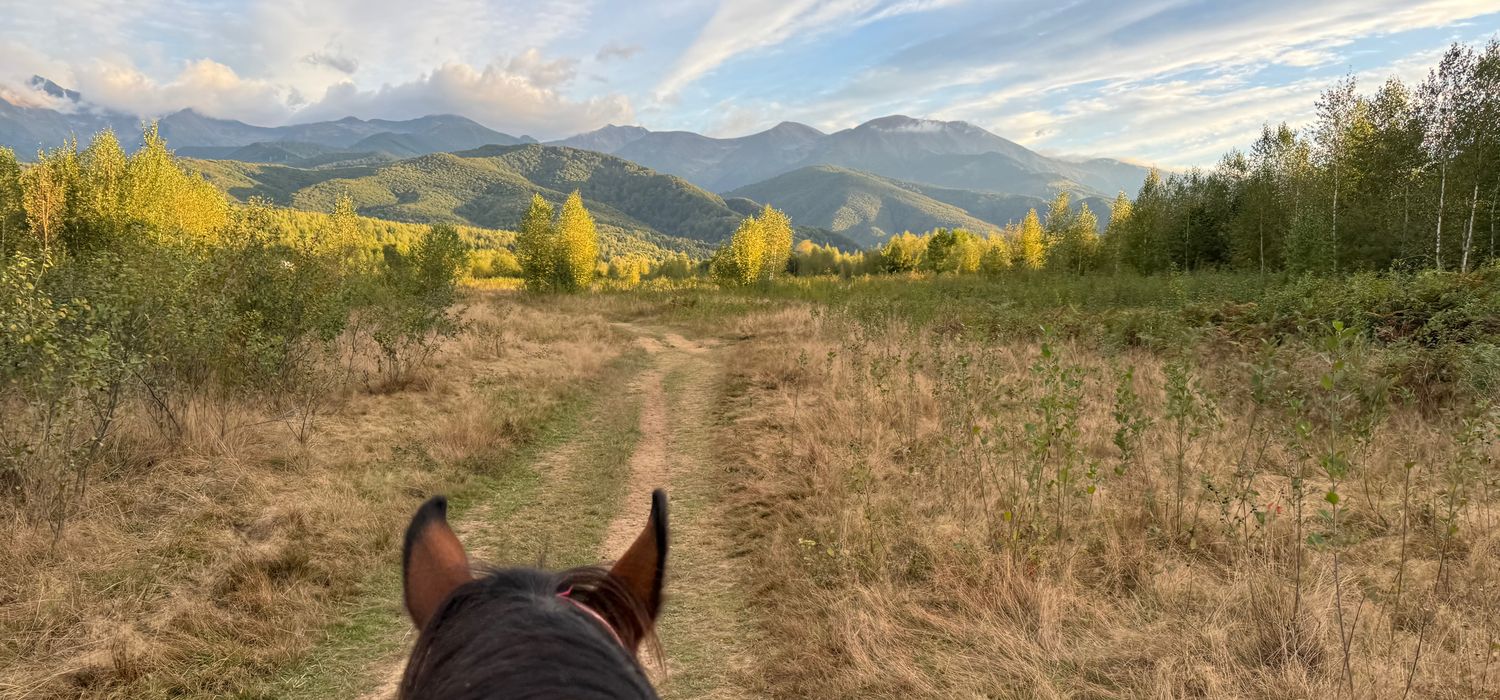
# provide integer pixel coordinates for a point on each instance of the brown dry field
(860, 510)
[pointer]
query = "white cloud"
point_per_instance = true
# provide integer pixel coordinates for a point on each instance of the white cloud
(523, 102)
(205, 85)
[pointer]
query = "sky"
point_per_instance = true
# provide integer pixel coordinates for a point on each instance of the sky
(1168, 82)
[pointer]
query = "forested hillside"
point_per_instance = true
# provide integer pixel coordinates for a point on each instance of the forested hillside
(492, 186)
(866, 208)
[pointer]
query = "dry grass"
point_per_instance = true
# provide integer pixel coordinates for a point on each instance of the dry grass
(200, 565)
(902, 552)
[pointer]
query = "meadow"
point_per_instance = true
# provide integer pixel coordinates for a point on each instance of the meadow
(1107, 486)
(1119, 487)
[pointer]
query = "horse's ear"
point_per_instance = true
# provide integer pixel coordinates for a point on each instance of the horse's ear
(433, 562)
(643, 568)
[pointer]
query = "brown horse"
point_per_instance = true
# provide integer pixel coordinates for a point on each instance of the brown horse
(526, 633)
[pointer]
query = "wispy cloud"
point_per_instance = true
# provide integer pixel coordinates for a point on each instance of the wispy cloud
(613, 51)
(333, 58)
(740, 26)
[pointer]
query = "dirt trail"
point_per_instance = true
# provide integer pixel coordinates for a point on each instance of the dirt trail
(705, 632)
(649, 465)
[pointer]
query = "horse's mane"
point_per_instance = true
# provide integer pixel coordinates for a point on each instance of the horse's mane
(509, 634)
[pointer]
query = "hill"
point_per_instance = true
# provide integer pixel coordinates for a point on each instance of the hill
(724, 164)
(862, 207)
(868, 208)
(491, 187)
(950, 154)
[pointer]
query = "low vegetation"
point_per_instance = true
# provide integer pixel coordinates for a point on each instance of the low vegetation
(937, 512)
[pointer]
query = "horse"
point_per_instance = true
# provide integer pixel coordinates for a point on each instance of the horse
(523, 632)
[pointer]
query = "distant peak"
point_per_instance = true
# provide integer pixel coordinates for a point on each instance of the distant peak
(891, 122)
(351, 119)
(795, 127)
(54, 89)
(903, 123)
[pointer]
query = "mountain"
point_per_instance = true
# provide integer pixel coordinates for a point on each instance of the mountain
(607, 139)
(53, 89)
(49, 114)
(865, 208)
(492, 186)
(951, 154)
(868, 208)
(712, 163)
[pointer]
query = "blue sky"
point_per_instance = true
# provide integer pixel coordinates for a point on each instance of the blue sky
(1170, 82)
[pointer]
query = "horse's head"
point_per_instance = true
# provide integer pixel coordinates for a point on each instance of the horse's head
(524, 632)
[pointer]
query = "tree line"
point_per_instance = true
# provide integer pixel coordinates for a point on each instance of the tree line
(1403, 177)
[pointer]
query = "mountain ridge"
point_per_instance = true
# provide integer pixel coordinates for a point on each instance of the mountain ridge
(954, 154)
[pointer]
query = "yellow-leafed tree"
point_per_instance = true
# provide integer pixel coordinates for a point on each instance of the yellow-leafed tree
(776, 226)
(577, 245)
(1031, 246)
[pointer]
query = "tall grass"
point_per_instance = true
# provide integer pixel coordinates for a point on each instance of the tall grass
(941, 513)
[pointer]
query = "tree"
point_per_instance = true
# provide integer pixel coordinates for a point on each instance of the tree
(536, 246)
(677, 266)
(739, 262)
(1112, 246)
(46, 190)
(1145, 247)
(1085, 234)
(1031, 247)
(98, 214)
(628, 269)
(173, 205)
(952, 250)
(1388, 157)
(1442, 98)
(12, 211)
(577, 245)
(997, 256)
(1339, 109)
(902, 253)
(1479, 129)
(1072, 237)
(776, 226)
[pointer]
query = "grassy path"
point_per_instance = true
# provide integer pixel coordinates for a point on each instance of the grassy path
(579, 496)
(548, 502)
(707, 631)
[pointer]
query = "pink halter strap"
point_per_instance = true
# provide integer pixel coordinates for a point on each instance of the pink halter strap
(567, 595)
